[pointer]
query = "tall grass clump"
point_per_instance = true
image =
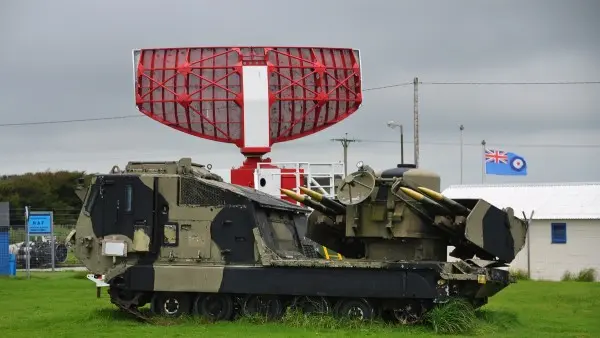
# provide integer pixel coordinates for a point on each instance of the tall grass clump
(585, 275)
(519, 274)
(298, 319)
(455, 317)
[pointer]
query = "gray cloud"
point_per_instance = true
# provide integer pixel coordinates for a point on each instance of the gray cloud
(71, 60)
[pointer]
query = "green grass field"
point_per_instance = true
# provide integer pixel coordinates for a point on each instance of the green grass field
(64, 304)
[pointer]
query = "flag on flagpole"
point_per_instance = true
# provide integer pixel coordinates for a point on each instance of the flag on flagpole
(499, 162)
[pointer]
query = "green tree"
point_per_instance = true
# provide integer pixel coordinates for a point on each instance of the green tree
(54, 191)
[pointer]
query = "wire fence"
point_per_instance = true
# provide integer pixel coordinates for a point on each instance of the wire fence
(40, 248)
(62, 217)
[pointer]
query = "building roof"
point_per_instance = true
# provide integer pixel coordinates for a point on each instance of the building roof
(547, 200)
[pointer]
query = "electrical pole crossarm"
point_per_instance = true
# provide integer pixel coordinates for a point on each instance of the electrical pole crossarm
(345, 141)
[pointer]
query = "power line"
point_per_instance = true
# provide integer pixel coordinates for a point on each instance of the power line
(320, 143)
(388, 86)
(478, 144)
(138, 115)
(513, 83)
(394, 85)
(70, 121)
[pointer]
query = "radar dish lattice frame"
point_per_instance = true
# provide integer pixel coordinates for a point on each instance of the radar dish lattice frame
(252, 97)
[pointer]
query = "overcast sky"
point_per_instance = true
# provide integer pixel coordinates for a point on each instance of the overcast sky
(64, 60)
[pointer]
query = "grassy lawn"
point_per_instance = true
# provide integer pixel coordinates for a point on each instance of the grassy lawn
(64, 304)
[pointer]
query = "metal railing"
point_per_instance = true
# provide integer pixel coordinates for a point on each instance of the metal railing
(318, 176)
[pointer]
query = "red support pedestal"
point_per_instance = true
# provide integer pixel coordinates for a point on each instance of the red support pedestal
(286, 178)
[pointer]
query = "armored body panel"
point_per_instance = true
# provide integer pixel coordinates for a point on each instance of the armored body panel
(176, 236)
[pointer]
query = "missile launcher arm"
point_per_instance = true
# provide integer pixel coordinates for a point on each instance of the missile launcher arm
(489, 232)
(474, 226)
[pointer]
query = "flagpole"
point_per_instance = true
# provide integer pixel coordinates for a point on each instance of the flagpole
(482, 161)
(461, 153)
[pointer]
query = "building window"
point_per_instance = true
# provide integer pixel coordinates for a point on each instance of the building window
(559, 233)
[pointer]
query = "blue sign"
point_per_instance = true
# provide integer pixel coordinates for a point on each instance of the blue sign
(40, 223)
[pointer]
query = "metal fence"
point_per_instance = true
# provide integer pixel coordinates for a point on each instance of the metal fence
(40, 248)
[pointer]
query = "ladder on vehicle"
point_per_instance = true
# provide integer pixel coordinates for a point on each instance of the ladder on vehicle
(328, 256)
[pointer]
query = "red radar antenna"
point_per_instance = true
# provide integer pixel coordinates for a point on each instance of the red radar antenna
(252, 97)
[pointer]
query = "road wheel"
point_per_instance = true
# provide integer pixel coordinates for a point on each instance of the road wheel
(409, 313)
(214, 307)
(311, 305)
(270, 307)
(359, 308)
(171, 304)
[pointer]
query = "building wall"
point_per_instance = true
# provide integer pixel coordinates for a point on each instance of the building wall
(549, 261)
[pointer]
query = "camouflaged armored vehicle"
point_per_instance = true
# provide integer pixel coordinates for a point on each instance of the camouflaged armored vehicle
(176, 236)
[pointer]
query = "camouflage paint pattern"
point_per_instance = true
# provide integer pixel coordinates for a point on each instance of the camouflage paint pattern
(173, 230)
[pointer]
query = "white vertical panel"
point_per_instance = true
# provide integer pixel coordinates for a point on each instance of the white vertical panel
(268, 181)
(135, 56)
(256, 106)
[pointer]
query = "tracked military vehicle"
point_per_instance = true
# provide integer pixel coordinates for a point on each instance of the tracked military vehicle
(175, 236)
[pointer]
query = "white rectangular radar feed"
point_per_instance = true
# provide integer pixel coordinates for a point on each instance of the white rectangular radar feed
(256, 106)
(114, 248)
(360, 68)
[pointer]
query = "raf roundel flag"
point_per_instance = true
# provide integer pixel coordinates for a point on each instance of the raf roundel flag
(498, 162)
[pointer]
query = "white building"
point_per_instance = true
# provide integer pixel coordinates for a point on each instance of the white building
(565, 228)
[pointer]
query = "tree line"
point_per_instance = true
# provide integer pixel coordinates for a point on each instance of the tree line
(47, 191)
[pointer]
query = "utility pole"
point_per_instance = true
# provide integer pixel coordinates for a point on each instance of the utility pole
(416, 119)
(461, 153)
(482, 161)
(528, 219)
(345, 142)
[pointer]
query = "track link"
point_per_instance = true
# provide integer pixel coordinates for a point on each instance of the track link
(129, 306)
(133, 310)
